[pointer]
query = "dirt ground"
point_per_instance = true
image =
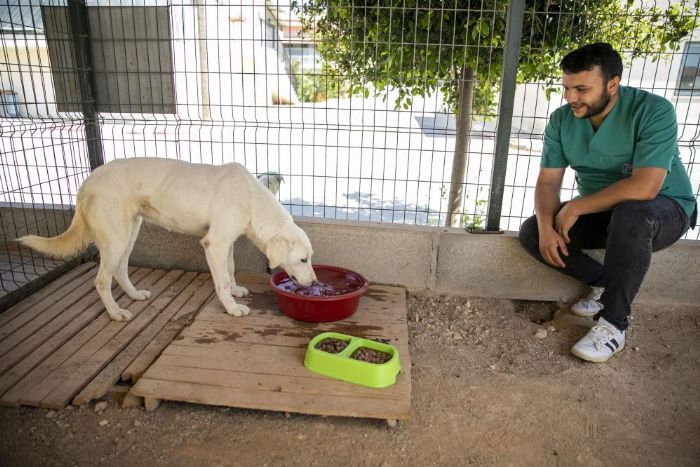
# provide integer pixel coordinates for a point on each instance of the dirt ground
(493, 384)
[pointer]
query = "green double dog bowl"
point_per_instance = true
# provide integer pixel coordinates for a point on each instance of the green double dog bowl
(345, 368)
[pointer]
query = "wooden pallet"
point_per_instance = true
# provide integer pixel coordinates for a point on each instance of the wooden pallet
(257, 361)
(59, 345)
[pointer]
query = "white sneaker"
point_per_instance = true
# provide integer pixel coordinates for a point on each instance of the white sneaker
(602, 342)
(589, 306)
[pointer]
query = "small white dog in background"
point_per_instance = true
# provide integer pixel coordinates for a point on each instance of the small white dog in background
(271, 180)
(216, 203)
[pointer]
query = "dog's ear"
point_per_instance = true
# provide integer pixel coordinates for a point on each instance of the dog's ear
(276, 250)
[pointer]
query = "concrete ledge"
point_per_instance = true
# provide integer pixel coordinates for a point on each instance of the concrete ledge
(443, 260)
(18, 220)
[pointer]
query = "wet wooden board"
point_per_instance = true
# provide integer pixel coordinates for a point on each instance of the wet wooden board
(60, 342)
(257, 361)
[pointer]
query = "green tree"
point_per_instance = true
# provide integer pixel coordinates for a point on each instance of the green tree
(312, 86)
(417, 47)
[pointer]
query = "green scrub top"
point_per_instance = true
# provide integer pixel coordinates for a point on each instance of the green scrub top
(639, 131)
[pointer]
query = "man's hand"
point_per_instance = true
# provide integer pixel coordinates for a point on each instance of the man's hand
(551, 243)
(565, 219)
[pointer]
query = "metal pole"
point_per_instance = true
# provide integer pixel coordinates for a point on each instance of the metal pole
(80, 29)
(464, 124)
(514, 29)
(203, 63)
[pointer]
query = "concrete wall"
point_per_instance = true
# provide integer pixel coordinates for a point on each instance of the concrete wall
(450, 261)
(17, 220)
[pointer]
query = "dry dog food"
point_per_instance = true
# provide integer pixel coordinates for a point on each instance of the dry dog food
(332, 345)
(370, 355)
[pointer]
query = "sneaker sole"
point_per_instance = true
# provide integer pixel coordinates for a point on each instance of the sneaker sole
(585, 314)
(588, 358)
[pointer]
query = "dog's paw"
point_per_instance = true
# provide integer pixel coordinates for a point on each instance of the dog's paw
(120, 315)
(238, 291)
(238, 310)
(141, 295)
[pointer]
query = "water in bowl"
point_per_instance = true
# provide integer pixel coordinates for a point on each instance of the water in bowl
(330, 284)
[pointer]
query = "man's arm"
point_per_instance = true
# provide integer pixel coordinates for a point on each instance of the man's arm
(547, 203)
(644, 184)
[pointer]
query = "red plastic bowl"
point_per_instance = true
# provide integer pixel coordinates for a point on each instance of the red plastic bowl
(300, 304)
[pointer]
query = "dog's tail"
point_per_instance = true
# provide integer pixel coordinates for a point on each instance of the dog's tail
(71, 242)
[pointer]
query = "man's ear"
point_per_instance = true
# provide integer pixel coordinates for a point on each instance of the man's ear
(614, 85)
(275, 250)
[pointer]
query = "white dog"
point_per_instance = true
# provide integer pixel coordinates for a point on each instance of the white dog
(216, 203)
(271, 180)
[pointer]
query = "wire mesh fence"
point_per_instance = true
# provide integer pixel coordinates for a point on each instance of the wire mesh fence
(355, 103)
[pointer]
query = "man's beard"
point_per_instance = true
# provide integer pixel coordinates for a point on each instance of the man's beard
(599, 106)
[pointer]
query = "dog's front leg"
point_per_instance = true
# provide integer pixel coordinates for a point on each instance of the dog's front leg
(216, 253)
(236, 290)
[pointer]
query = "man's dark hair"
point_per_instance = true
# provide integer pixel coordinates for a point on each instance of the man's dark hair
(588, 56)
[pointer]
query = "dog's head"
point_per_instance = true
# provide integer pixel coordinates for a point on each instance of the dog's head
(291, 250)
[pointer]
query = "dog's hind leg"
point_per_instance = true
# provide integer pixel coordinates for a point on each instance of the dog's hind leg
(236, 290)
(122, 275)
(111, 251)
(216, 250)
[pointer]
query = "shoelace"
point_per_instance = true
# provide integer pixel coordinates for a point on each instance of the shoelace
(601, 334)
(595, 293)
(593, 296)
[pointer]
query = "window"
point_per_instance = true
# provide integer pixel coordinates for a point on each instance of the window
(305, 54)
(689, 77)
(17, 17)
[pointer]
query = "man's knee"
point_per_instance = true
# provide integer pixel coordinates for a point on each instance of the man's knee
(633, 214)
(529, 234)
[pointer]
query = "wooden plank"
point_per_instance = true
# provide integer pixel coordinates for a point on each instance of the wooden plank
(265, 354)
(259, 369)
(242, 348)
(202, 332)
(166, 335)
(131, 402)
(263, 382)
(84, 292)
(41, 314)
(250, 278)
(274, 400)
(370, 312)
(46, 296)
(381, 316)
(40, 363)
(187, 313)
(151, 403)
(211, 314)
(112, 341)
(101, 384)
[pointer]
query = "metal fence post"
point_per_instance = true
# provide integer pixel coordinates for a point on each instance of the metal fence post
(80, 34)
(511, 54)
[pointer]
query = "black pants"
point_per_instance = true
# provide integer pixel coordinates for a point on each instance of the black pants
(630, 232)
